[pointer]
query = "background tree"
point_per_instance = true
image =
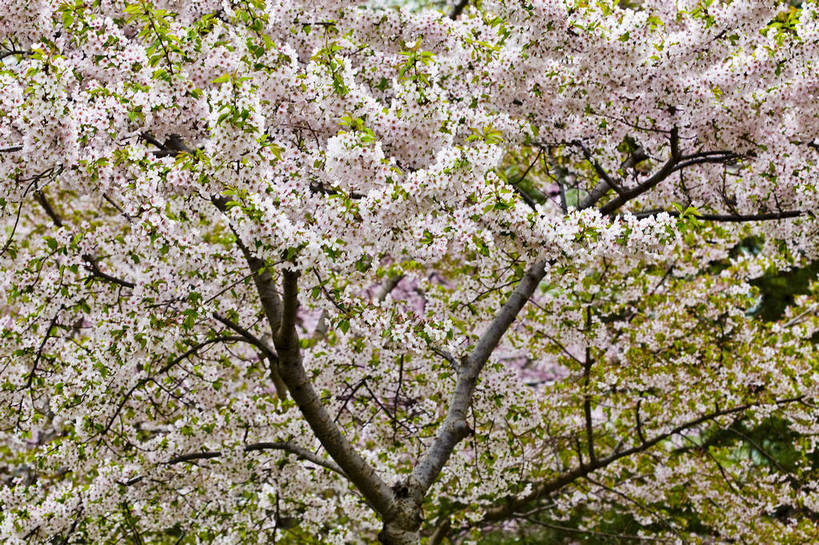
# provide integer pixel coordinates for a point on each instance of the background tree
(319, 271)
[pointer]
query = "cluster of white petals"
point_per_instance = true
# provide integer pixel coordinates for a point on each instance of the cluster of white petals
(169, 167)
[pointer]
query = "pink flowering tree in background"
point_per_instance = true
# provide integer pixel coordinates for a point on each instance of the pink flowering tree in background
(294, 271)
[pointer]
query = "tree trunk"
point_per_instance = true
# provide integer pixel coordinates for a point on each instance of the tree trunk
(393, 535)
(402, 528)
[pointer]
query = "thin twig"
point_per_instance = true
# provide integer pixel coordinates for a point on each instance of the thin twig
(95, 271)
(592, 532)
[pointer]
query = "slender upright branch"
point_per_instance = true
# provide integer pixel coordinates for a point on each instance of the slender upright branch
(262, 278)
(39, 354)
(516, 184)
(639, 423)
(587, 412)
(10, 239)
(454, 427)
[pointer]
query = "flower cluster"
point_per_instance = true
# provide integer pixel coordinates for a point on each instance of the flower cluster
(214, 210)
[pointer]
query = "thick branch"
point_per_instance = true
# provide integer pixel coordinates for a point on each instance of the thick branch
(55, 217)
(619, 537)
(246, 335)
(301, 453)
(286, 338)
(454, 427)
(441, 532)
(530, 202)
(193, 456)
(287, 334)
(269, 297)
(733, 218)
(718, 159)
(595, 195)
(11, 52)
(652, 181)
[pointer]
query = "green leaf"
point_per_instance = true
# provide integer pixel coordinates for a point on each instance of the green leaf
(222, 79)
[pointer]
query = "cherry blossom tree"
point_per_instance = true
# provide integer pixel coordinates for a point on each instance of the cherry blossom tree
(296, 271)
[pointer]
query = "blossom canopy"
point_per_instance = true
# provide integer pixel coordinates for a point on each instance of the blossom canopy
(330, 272)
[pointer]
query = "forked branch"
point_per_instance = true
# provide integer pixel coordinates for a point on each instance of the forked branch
(282, 313)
